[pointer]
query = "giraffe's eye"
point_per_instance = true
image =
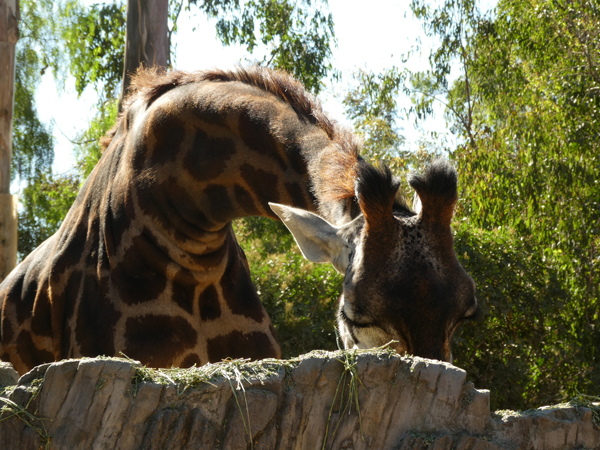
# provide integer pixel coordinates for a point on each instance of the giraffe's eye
(353, 323)
(473, 313)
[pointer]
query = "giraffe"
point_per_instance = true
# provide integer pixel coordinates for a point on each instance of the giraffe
(146, 262)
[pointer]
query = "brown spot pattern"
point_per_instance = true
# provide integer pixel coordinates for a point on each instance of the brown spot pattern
(244, 200)
(169, 132)
(194, 221)
(16, 297)
(219, 202)
(183, 288)
(210, 307)
(29, 353)
(208, 156)
(150, 199)
(136, 280)
(255, 345)
(263, 183)
(185, 218)
(40, 320)
(155, 339)
(139, 158)
(71, 245)
(71, 294)
(255, 132)
(7, 331)
(96, 320)
(237, 287)
(296, 193)
(117, 220)
(190, 361)
(209, 260)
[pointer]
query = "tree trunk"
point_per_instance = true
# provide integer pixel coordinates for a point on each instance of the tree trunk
(147, 38)
(9, 34)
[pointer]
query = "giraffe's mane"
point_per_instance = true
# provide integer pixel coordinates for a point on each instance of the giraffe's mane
(150, 83)
(338, 172)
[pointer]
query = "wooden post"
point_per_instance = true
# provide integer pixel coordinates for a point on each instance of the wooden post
(9, 34)
(147, 38)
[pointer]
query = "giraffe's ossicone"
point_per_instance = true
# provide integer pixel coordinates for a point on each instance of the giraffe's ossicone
(146, 262)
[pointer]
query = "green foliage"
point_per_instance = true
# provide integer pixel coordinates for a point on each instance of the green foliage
(540, 134)
(527, 349)
(95, 43)
(454, 23)
(299, 35)
(527, 104)
(371, 105)
(300, 297)
(44, 204)
(38, 30)
(88, 148)
(33, 145)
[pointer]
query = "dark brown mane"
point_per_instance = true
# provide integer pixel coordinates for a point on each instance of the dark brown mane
(149, 84)
(336, 167)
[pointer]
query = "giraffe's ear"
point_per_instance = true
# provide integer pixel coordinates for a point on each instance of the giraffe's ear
(319, 241)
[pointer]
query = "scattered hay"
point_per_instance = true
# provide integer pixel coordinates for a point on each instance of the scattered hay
(239, 371)
(243, 370)
(11, 409)
(588, 401)
(197, 377)
(581, 400)
(349, 363)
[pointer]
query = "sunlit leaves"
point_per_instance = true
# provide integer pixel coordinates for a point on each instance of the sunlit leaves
(33, 144)
(525, 350)
(298, 35)
(371, 105)
(95, 43)
(45, 203)
(88, 147)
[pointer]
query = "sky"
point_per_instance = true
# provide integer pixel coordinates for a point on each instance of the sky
(370, 36)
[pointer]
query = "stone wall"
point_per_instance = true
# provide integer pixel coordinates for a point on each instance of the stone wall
(340, 400)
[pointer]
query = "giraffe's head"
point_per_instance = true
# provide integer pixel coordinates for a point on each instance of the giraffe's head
(402, 281)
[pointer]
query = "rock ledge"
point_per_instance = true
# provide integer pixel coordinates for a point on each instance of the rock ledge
(308, 402)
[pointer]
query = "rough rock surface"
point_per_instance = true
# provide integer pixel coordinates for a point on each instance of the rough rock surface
(306, 403)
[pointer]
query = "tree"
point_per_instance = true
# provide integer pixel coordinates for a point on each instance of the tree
(298, 34)
(9, 34)
(147, 38)
(371, 105)
(33, 144)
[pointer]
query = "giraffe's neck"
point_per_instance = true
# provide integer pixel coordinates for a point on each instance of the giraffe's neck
(213, 153)
(146, 262)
